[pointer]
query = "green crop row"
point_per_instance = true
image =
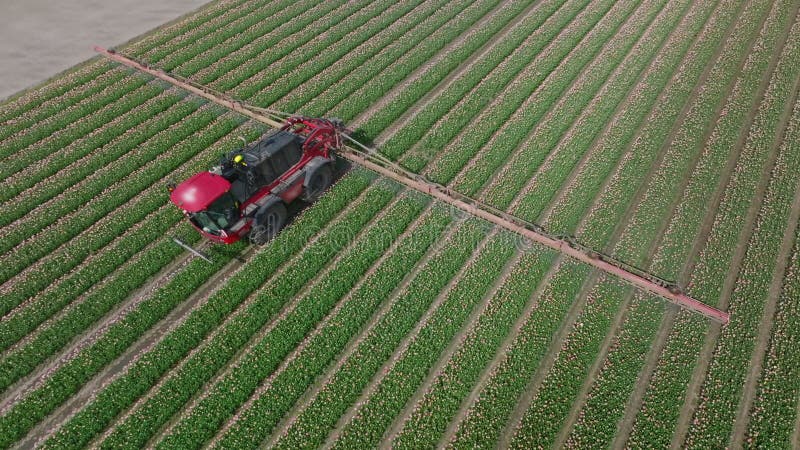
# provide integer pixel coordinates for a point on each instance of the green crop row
(289, 19)
(470, 92)
(90, 156)
(157, 46)
(257, 18)
(774, 412)
(605, 403)
(723, 385)
(397, 384)
(514, 114)
(487, 416)
(479, 98)
(367, 94)
(374, 347)
(685, 341)
(609, 150)
(438, 406)
(29, 238)
(226, 395)
(282, 390)
(100, 79)
(65, 127)
(373, 55)
(78, 284)
(68, 379)
(289, 73)
(277, 395)
(572, 95)
(150, 367)
(572, 146)
(233, 69)
(120, 227)
(195, 371)
(554, 397)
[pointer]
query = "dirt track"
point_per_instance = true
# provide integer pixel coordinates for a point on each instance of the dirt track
(40, 38)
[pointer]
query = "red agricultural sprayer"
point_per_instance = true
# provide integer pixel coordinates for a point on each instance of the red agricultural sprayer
(247, 193)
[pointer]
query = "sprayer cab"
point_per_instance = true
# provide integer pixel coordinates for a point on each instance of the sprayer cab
(247, 193)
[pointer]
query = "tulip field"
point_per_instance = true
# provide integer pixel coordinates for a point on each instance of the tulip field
(663, 132)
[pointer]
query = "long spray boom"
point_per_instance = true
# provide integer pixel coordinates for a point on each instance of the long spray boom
(371, 159)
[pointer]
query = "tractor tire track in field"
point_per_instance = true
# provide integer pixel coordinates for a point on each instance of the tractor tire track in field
(402, 348)
(448, 80)
(710, 343)
(354, 343)
(242, 306)
(765, 328)
(488, 371)
(622, 227)
(637, 397)
(407, 234)
(151, 338)
(401, 419)
(245, 349)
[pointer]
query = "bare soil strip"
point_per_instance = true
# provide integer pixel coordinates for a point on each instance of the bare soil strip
(412, 227)
(598, 97)
(401, 349)
(397, 90)
(776, 285)
(455, 343)
(280, 315)
(693, 390)
(490, 368)
(392, 297)
(446, 82)
(145, 344)
(244, 350)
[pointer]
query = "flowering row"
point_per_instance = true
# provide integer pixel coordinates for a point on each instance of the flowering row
(95, 300)
(566, 95)
(337, 43)
(283, 333)
(373, 415)
(372, 56)
(530, 96)
(149, 367)
(432, 69)
(232, 50)
(668, 383)
(89, 155)
(376, 345)
(66, 126)
(552, 18)
(724, 383)
(225, 395)
(101, 78)
(279, 393)
(38, 278)
(212, 45)
(609, 149)
(635, 56)
(437, 122)
(486, 417)
(65, 216)
(431, 415)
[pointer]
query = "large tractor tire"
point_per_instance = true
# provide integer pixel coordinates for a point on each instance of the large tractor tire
(320, 180)
(268, 223)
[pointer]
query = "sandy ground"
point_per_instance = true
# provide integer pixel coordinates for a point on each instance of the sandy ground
(40, 38)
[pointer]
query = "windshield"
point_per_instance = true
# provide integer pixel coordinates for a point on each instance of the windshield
(220, 215)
